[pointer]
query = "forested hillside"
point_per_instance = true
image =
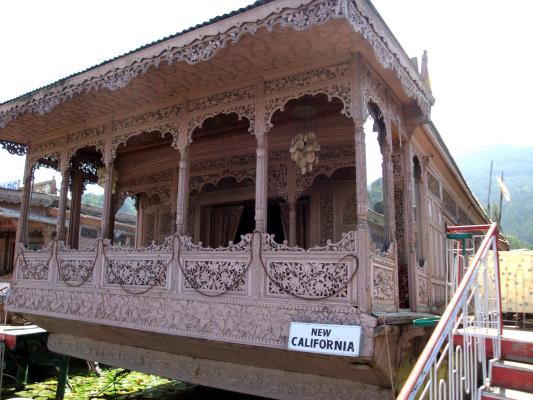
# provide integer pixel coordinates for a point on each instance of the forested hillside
(517, 166)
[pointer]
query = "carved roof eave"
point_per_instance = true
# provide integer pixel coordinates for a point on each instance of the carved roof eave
(203, 43)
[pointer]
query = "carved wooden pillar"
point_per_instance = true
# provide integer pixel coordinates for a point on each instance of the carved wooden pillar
(261, 169)
(364, 274)
(424, 210)
(409, 222)
(25, 203)
(62, 206)
(361, 192)
(173, 198)
(292, 222)
(388, 191)
(359, 114)
(106, 227)
(75, 208)
(292, 199)
(182, 196)
(261, 184)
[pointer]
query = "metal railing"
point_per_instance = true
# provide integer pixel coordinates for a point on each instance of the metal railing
(454, 363)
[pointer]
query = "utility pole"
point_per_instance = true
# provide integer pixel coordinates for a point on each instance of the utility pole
(490, 185)
(501, 201)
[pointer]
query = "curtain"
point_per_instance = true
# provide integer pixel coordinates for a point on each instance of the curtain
(285, 218)
(225, 224)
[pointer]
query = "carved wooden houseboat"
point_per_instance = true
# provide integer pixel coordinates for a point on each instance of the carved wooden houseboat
(246, 143)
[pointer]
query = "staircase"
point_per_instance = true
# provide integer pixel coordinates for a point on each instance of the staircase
(469, 355)
(511, 377)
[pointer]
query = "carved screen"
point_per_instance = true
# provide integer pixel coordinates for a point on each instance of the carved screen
(345, 213)
(157, 221)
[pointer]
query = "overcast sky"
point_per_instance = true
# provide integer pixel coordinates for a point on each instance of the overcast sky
(480, 61)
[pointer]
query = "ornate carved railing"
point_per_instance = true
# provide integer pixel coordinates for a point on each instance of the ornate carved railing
(180, 266)
(247, 292)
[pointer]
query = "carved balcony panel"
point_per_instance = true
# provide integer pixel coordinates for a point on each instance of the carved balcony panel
(138, 269)
(34, 266)
(245, 293)
(215, 271)
(322, 273)
(384, 282)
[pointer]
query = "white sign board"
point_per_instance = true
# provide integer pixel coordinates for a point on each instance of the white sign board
(340, 340)
(10, 185)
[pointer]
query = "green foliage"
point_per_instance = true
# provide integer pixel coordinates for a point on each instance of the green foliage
(113, 384)
(517, 243)
(375, 195)
(517, 166)
(93, 199)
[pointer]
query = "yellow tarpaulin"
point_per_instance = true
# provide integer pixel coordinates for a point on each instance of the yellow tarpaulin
(516, 272)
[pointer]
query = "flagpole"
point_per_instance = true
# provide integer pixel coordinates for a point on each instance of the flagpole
(490, 185)
(501, 201)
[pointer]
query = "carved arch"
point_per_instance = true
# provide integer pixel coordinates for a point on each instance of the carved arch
(48, 160)
(339, 91)
(198, 185)
(374, 110)
(99, 145)
(306, 181)
(162, 129)
(242, 111)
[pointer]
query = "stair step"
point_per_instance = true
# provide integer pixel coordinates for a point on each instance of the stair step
(494, 392)
(517, 345)
(512, 375)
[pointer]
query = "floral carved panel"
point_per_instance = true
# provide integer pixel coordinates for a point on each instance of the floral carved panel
(308, 278)
(383, 284)
(423, 292)
(307, 78)
(222, 98)
(34, 270)
(215, 275)
(136, 272)
(76, 271)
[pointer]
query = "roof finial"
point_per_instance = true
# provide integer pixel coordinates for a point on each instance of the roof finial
(424, 70)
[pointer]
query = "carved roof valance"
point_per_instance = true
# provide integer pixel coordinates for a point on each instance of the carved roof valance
(201, 44)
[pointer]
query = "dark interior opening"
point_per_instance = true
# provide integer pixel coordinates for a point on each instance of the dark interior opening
(275, 222)
(247, 222)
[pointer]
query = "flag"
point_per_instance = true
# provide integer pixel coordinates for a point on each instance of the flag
(505, 192)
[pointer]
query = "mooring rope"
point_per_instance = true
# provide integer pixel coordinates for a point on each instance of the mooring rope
(298, 296)
(88, 273)
(21, 254)
(153, 282)
(227, 288)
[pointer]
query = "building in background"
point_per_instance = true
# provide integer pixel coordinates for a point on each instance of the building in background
(42, 222)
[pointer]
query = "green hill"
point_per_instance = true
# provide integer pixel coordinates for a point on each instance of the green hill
(517, 166)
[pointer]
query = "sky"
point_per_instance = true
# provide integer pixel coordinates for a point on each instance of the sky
(480, 64)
